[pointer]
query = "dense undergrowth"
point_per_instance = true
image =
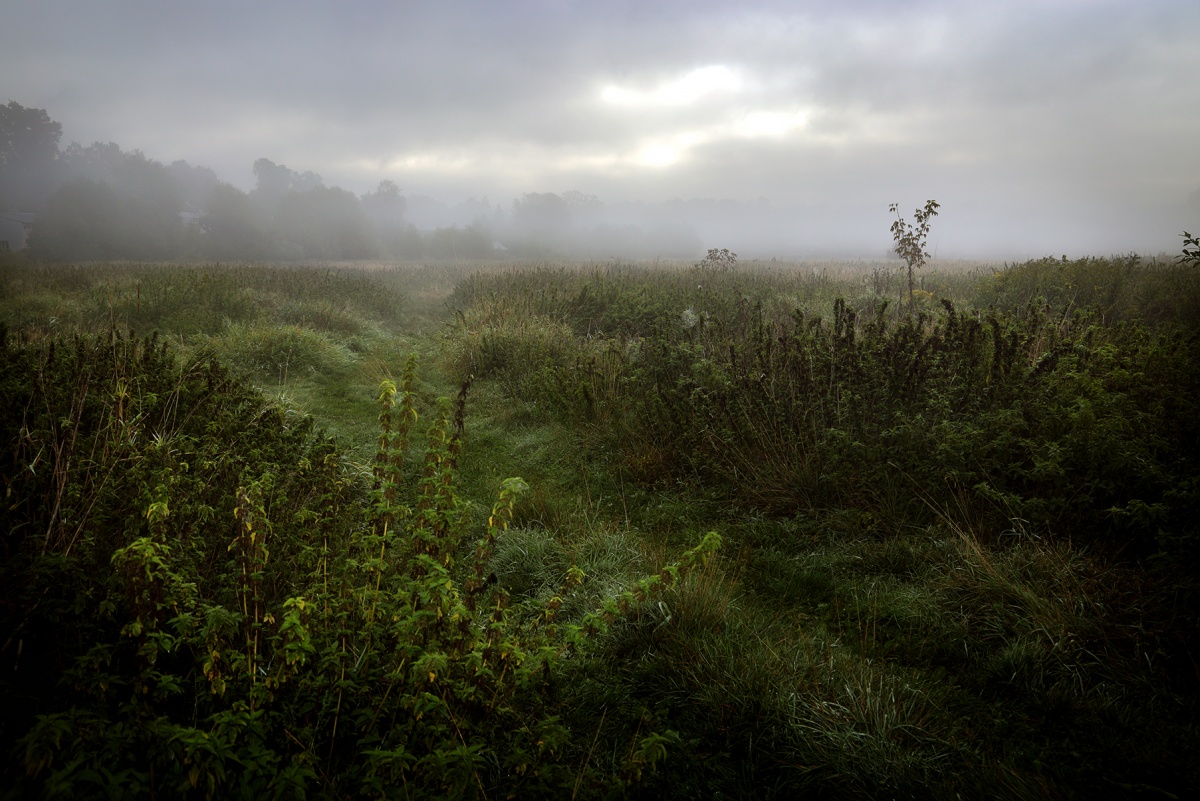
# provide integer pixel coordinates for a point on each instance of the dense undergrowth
(1012, 406)
(200, 602)
(982, 518)
(959, 561)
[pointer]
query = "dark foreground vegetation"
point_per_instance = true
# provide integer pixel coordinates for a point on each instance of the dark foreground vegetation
(774, 537)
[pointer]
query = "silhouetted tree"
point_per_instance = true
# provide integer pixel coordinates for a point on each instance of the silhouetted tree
(385, 204)
(130, 173)
(99, 161)
(409, 244)
(113, 204)
(231, 228)
(583, 209)
(472, 242)
(195, 185)
(324, 223)
(28, 155)
(541, 214)
(273, 180)
(87, 219)
(385, 207)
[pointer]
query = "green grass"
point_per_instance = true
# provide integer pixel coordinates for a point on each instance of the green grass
(903, 633)
(976, 653)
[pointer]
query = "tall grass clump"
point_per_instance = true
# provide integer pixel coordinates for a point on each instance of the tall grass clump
(280, 353)
(925, 664)
(562, 338)
(1122, 288)
(1056, 414)
(186, 300)
(1056, 419)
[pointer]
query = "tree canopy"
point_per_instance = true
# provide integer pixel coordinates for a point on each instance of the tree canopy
(28, 150)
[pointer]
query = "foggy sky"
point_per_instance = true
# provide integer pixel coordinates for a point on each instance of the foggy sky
(1041, 126)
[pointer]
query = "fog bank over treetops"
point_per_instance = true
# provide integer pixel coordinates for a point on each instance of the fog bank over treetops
(772, 128)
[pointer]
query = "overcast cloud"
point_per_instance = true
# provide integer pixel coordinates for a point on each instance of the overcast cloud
(1041, 126)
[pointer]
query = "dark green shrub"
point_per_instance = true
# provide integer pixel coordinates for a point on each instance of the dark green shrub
(204, 602)
(1080, 429)
(1120, 288)
(1064, 405)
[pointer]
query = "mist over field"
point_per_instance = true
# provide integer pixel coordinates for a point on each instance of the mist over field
(620, 130)
(633, 399)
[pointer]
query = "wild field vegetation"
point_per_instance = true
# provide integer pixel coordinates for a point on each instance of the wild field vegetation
(781, 529)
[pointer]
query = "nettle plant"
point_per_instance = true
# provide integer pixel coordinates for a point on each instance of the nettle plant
(911, 239)
(457, 686)
(300, 633)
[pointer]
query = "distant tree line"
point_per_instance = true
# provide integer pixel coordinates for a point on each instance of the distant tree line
(103, 203)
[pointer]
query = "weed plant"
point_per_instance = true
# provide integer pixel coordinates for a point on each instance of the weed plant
(964, 533)
(1047, 413)
(203, 601)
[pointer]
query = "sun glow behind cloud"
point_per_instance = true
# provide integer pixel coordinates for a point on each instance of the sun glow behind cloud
(729, 98)
(682, 91)
(759, 124)
(654, 127)
(664, 151)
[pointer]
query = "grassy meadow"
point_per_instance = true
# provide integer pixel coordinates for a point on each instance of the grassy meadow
(779, 530)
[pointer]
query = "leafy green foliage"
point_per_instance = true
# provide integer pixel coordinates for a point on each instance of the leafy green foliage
(1043, 412)
(984, 510)
(1050, 419)
(203, 604)
(1125, 288)
(1191, 249)
(986, 586)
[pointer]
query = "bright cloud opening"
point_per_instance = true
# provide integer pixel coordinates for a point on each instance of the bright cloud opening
(679, 92)
(669, 151)
(659, 155)
(770, 123)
